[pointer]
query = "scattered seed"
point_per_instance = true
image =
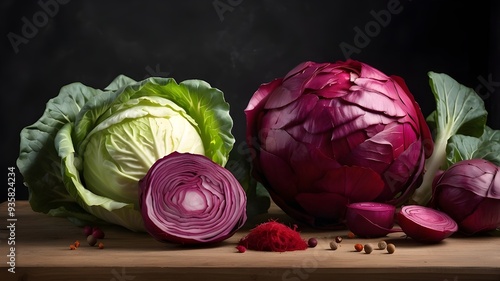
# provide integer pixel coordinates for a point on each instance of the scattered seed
(351, 234)
(241, 248)
(100, 245)
(382, 245)
(334, 245)
(312, 242)
(91, 240)
(77, 243)
(338, 239)
(87, 230)
(368, 248)
(391, 248)
(72, 247)
(98, 233)
(358, 247)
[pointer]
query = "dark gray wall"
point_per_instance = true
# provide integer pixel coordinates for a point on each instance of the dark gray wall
(235, 45)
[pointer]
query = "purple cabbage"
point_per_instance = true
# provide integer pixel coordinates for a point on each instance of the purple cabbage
(469, 192)
(330, 134)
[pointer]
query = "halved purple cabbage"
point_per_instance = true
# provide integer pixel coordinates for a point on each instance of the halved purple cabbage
(189, 199)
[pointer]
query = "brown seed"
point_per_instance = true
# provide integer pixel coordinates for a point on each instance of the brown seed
(391, 248)
(334, 245)
(382, 245)
(368, 248)
(358, 247)
(100, 245)
(72, 247)
(91, 240)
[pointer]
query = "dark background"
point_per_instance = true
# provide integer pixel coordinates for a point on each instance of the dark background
(235, 48)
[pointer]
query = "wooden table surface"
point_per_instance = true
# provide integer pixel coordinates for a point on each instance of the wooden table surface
(42, 253)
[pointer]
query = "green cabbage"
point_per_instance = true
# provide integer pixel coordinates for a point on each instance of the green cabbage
(84, 157)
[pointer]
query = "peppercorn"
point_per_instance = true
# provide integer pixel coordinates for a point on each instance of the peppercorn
(358, 247)
(338, 239)
(391, 248)
(334, 245)
(91, 240)
(312, 242)
(368, 248)
(382, 245)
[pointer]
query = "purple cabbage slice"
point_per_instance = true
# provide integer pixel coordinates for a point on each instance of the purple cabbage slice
(189, 199)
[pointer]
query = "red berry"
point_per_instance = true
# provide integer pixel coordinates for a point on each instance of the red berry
(358, 247)
(87, 230)
(312, 242)
(98, 233)
(241, 249)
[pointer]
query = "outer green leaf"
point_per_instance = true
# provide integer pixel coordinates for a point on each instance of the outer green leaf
(38, 161)
(460, 148)
(119, 82)
(459, 110)
(486, 147)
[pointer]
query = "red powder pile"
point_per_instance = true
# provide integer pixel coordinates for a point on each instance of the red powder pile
(275, 237)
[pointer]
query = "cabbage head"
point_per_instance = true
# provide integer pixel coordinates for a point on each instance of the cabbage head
(84, 157)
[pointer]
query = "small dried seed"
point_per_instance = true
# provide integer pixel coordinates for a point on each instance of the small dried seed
(91, 240)
(391, 248)
(312, 242)
(358, 247)
(100, 245)
(72, 247)
(338, 239)
(77, 243)
(334, 245)
(382, 245)
(351, 235)
(368, 248)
